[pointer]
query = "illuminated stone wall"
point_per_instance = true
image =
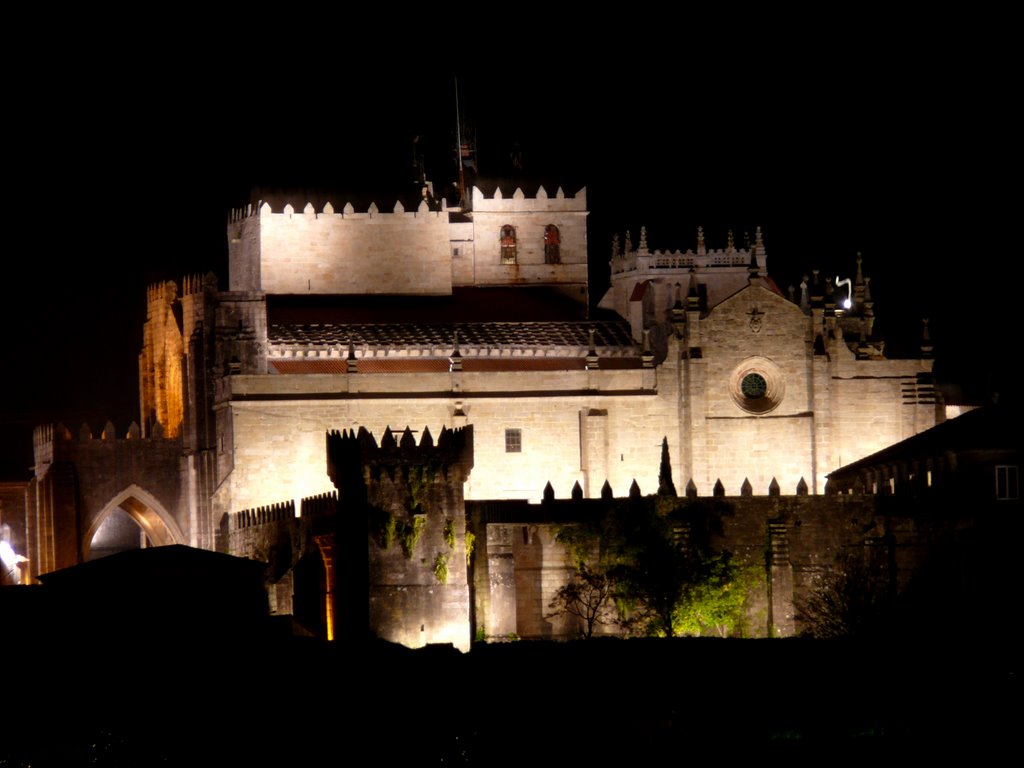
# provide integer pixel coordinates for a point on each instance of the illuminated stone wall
(278, 423)
(737, 444)
(348, 252)
(874, 404)
(529, 217)
(587, 426)
(407, 252)
(160, 363)
(415, 518)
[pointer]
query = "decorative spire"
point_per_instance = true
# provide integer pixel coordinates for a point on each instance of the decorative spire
(701, 250)
(805, 302)
(643, 239)
(629, 242)
(758, 241)
(615, 247)
(869, 307)
(859, 285)
(730, 244)
(593, 361)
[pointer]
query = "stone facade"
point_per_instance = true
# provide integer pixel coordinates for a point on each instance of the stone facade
(697, 347)
(792, 541)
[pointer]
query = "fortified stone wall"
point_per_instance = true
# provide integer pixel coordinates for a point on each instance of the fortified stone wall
(407, 252)
(278, 451)
(529, 217)
(414, 516)
(79, 481)
(354, 253)
(792, 541)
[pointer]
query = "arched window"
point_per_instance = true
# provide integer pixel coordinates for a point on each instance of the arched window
(508, 244)
(552, 242)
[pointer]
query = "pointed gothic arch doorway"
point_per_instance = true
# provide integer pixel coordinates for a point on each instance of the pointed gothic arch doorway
(133, 519)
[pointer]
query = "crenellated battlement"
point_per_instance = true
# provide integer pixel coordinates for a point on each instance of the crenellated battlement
(320, 505)
(160, 295)
(192, 285)
(47, 435)
(309, 213)
(270, 513)
(352, 448)
(641, 259)
(518, 201)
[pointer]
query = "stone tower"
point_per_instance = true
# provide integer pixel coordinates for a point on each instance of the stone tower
(401, 535)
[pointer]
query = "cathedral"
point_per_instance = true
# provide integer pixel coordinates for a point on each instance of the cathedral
(430, 318)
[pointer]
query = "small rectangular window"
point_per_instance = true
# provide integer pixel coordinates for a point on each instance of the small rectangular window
(513, 441)
(1006, 482)
(509, 246)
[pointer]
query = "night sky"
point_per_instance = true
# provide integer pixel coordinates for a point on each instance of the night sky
(122, 172)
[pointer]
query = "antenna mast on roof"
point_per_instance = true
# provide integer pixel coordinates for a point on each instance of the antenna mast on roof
(458, 146)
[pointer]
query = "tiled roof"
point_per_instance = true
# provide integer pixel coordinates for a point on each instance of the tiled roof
(440, 364)
(486, 335)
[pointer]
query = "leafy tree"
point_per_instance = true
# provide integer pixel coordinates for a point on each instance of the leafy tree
(589, 596)
(654, 559)
(716, 603)
(850, 599)
(665, 485)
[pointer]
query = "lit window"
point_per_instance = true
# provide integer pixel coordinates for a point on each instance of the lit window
(552, 245)
(508, 244)
(1006, 482)
(513, 441)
